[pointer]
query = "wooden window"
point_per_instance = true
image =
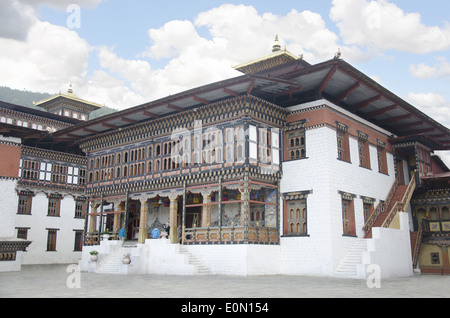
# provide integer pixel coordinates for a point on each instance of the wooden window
(381, 155)
(343, 142)
(80, 207)
(51, 240)
(54, 203)
(348, 216)
(423, 160)
(295, 217)
(22, 233)
(295, 144)
(363, 150)
(25, 199)
(78, 244)
(368, 209)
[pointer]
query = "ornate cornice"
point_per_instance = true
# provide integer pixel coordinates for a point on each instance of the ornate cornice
(53, 155)
(211, 114)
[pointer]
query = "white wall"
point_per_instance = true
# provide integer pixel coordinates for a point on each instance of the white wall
(390, 250)
(320, 252)
(9, 202)
(39, 222)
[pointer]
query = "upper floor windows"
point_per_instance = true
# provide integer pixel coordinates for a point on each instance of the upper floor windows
(343, 145)
(295, 144)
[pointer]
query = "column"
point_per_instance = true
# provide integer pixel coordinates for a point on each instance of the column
(206, 210)
(173, 220)
(246, 207)
(118, 209)
(143, 219)
(93, 217)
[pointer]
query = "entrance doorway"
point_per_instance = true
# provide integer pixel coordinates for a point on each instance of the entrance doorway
(193, 216)
(133, 219)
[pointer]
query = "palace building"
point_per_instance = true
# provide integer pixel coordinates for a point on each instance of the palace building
(289, 168)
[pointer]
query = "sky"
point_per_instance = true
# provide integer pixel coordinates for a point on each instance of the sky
(124, 53)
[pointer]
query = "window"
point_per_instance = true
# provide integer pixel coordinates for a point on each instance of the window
(25, 199)
(343, 142)
(54, 202)
(60, 174)
(295, 214)
(80, 207)
(78, 244)
(363, 150)
(381, 154)
(348, 215)
(51, 240)
(295, 144)
(22, 233)
(423, 160)
(367, 208)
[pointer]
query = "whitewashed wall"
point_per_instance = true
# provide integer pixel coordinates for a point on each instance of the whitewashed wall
(322, 173)
(39, 222)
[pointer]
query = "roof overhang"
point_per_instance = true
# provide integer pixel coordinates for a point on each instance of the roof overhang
(290, 84)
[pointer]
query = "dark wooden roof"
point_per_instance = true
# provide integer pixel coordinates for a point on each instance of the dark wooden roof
(287, 85)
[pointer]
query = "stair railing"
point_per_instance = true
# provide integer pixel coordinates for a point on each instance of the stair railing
(401, 206)
(417, 247)
(381, 208)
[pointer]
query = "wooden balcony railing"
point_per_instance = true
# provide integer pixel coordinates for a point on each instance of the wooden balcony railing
(231, 235)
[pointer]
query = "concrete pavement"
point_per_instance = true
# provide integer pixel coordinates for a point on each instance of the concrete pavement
(53, 281)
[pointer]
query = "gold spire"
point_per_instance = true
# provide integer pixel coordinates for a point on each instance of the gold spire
(276, 47)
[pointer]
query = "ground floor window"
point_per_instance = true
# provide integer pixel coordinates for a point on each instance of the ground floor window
(295, 214)
(348, 215)
(51, 240)
(78, 241)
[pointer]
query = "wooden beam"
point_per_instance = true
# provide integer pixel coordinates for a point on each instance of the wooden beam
(173, 107)
(326, 80)
(149, 114)
(129, 120)
(347, 92)
(381, 111)
(409, 125)
(394, 120)
(201, 100)
(229, 91)
(90, 131)
(251, 86)
(108, 125)
(365, 103)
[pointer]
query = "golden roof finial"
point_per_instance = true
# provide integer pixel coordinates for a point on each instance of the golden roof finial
(70, 91)
(276, 47)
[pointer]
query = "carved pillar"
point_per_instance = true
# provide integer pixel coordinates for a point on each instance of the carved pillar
(173, 220)
(143, 221)
(118, 210)
(93, 218)
(206, 211)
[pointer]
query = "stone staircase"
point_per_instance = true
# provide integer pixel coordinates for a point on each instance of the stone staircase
(347, 268)
(111, 263)
(201, 268)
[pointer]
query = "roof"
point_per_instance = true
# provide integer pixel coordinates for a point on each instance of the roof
(289, 84)
(37, 112)
(69, 96)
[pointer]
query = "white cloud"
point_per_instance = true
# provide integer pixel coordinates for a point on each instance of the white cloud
(62, 4)
(424, 71)
(16, 19)
(380, 25)
(49, 57)
(434, 105)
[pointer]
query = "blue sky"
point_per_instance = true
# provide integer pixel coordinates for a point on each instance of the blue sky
(124, 53)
